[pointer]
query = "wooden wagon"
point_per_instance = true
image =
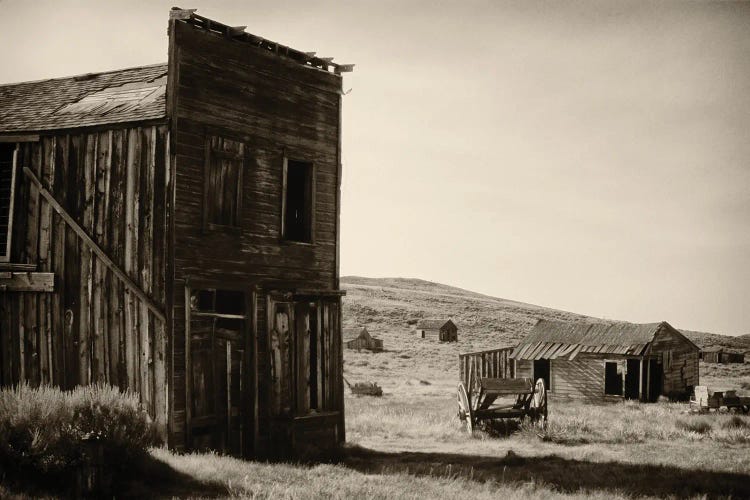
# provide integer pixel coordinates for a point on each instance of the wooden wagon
(488, 390)
(718, 399)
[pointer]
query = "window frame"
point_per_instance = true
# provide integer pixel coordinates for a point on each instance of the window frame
(313, 188)
(4, 259)
(210, 153)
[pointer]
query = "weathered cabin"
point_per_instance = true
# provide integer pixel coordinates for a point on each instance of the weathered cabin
(173, 230)
(599, 361)
(718, 354)
(441, 329)
(359, 338)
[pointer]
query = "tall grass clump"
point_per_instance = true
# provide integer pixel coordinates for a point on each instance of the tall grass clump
(48, 431)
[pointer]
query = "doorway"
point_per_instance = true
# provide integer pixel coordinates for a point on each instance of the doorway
(217, 354)
(632, 376)
(542, 371)
(655, 376)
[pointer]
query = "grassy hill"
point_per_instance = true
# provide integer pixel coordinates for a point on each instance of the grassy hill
(390, 308)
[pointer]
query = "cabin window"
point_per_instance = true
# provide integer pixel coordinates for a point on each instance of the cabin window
(7, 192)
(223, 182)
(298, 203)
(612, 379)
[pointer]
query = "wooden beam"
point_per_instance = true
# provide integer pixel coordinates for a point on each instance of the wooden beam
(236, 30)
(148, 301)
(27, 282)
(177, 13)
(344, 68)
(20, 138)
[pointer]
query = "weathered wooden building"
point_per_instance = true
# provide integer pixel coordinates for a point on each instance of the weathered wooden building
(441, 329)
(718, 354)
(359, 338)
(173, 229)
(599, 361)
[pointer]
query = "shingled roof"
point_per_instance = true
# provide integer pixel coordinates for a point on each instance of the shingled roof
(556, 339)
(125, 95)
(432, 323)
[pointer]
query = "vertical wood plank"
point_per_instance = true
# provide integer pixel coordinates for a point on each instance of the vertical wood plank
(161, 381)
(116, 232)
(146, 209)
(131, 247)
(87, 272)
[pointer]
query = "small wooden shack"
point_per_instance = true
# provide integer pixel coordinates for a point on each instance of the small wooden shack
(599, 361)
(359, 338)
(173, 230)
(719, 354)
(445, 330)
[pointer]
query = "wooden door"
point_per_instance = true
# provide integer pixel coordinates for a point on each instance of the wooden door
(216, 374)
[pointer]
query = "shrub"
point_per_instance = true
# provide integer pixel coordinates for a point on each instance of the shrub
(45, 430)
(735, 422)
(697, 426)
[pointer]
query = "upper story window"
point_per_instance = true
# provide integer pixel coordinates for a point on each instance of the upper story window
(7, 192)
(223, 182)
(298, 201)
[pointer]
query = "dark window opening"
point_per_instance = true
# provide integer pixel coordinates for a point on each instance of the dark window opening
(6, 197)
(298, 201)
(223, 189)
(632, 379)
(230, 302)
(612, 379)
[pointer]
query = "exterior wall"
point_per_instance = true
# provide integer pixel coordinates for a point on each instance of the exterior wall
(711, 357)
(581, 378)
(113, 183)
(448, 333)
(363, 342)
(679, 360)
(524, 368)
(276, 108)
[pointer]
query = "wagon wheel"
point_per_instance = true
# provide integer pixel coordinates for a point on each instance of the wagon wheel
(465, 412)
(538, 404)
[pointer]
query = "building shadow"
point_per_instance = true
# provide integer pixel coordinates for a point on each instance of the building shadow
(561, 474)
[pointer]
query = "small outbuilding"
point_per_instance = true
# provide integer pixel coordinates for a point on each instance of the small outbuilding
(445, 330)
(359, 338)
(601, 361)
(718, 354)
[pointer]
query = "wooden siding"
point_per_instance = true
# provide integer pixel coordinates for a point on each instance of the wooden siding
(91, 328)
(679, 359)
(487, 364)
(582, 378)
(277, 109)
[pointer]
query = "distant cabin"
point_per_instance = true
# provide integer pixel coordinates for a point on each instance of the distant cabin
(359, 338)
(718, 354)
(441, 329)
(596, 361)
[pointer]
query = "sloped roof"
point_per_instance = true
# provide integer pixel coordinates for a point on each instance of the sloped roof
(556, 339)
(124, 95)
(353, 332)
(432, 323)
(713, 348)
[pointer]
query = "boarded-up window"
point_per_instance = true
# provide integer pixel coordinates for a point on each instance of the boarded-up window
(7, 183)
(612, 379)
(223, 182)
(298, 201)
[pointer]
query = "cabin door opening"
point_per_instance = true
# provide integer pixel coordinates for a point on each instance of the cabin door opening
(655, 379)
(632, 378)
(542, 371)
(216, 370)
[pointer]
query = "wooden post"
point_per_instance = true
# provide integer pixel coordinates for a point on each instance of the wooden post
(640, 380)
(648, 380)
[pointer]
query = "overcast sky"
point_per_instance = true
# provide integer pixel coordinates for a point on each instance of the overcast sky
(588, 156)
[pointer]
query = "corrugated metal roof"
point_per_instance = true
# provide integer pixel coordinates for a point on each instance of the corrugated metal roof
(125, 95)
(556, 339)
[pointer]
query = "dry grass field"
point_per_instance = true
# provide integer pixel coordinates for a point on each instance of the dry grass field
(410, 444)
